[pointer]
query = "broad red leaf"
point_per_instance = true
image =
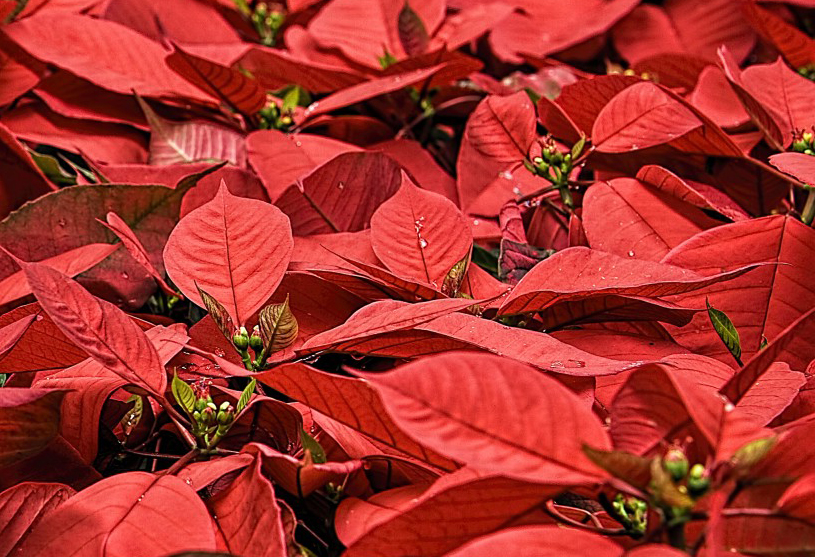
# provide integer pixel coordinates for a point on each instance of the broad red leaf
(800, 165)
(135, 248)
(457, 508)
(797, 500)
(627, 218)
(341, 195)
(462, 404)
(29, 420)
(280, 159)
(420, 166)
(639, 117)
(469, 23)
(369, 89)
(23, 506)
(578, 273)
(231, 86)
(351, 402)
(540, 541)
(247, 515)
(794, 45)
(583, 100)
(191, 141)
(219, 248)
(64, 221)
(714, 96)
(689, 26)
(383, 317)
(763, 302)
(337, 26)
(27, 353)
(106, 53)
(498, 136)
(697, 194)
(11, 333)
(113, 517)
(101, 329)
(420, 235)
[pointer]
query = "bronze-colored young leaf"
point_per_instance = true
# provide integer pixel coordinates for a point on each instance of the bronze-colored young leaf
(278, 327)
(452, 282)
(726, 331)
(218, 314)
(133, 416)
(183, 394)
(751, 453)
(632, 469)
(412, 32)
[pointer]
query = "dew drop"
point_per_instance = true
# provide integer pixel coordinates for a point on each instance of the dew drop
(516, 190)
(397, 79)
(188, 481)
(62, 222)
(220, 353)
(556, 364)
(631, 253)
(140, 498)
(476, 222)
(125, 275)
(577, 363)
(422, 243)
(341, 185)
(506, 175)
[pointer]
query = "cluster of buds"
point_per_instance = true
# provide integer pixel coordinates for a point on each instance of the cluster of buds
(555, 165)
(271, 117)
(803, 142)
(696, 478)
(807, 71)
(632, 513)
(210, 422)
(267, 22)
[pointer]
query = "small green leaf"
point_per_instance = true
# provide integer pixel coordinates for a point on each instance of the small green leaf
(295, 96)
(133, 416)
(183, 394)
(311, 444)
(52, 169)
(246, 396)
(577, 148)
(751, 453)
(726, 331)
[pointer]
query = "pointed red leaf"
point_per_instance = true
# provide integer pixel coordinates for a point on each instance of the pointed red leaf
(796, 46)
(579, 273)
(231, 86)
(248, 516)
(114, 516)
(800, 165)
(20, 179)
(29, 420)
(235, 249)
(350, 401)
(27, 353)
(341, 195)
(461, 405)
(420, 235)
(101, 329)
(11, 333)
(23, 506)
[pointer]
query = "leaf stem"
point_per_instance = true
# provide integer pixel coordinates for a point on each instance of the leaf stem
(808, 214)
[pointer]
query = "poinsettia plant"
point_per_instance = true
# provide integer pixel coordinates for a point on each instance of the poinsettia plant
(407, 278)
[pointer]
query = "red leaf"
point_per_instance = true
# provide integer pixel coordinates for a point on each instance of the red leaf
(20, 179)
(29, 419)
(101, 329)
(11, 334)
(412, 33)
(462, 404)
(765, 301)
(27, 354)
(420, 235)
(498, 136)
(369, 89)
(541, 541)
(639, 117)
(23, 506)
(280, 159)
(135, 248)
(383, 317)
(106, 53)
(798, 501)
(457, 508)
(218, 247)
(796, 47)
(248, 516)
(351, 402)
(689, 26)
(800, 165)
(627, 218)
(227, 84)
(341, 195)
(114, 516)
(578, 273)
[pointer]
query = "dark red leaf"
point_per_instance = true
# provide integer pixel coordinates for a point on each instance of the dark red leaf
(29, 419)
(23, 506)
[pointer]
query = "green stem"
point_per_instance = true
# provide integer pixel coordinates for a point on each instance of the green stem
(808, 214)
(676, 535)
(246, 359)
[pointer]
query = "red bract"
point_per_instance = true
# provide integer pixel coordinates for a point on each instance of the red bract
(407, 278)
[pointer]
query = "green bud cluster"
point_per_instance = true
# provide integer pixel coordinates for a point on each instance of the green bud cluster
(632, 513)
(267, 22)
(556, 166)
(803, 143)
(271, 117)
(807, 71)
(693, 480)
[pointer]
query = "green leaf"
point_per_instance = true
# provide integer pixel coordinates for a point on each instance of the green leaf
(751, 453)
(183, 394)
(726, 331)
(246, 396)
(295, 96)
(52, 169)
(311, 444)
(577, 148)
